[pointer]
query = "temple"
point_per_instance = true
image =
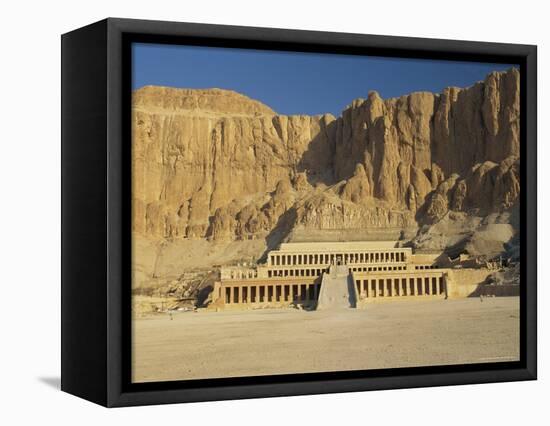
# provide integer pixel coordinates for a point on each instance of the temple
(336, 274)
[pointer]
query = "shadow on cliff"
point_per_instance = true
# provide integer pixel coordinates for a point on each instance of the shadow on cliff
(281, 230)
(421, 215)
(203, 296)
(317, 161)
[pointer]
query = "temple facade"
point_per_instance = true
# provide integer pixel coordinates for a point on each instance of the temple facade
(360, 272)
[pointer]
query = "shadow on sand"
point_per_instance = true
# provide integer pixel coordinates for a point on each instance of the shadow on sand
(53, 382)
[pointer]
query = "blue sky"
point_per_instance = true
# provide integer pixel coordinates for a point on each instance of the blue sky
(298, 83)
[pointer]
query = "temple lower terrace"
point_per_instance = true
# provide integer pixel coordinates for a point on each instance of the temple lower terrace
(343, 274)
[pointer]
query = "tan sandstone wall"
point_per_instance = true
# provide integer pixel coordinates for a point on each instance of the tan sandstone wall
(214, 163)
(465, 282)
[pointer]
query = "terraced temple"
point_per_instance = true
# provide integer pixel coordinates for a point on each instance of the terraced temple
(298, 273)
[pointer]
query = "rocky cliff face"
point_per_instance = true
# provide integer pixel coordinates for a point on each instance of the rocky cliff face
(215, 164)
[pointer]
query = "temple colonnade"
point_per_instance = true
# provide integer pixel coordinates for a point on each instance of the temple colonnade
(371, 286)
(282, 292)
(279, 258)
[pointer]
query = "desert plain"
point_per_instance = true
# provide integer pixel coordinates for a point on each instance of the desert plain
(199, 345)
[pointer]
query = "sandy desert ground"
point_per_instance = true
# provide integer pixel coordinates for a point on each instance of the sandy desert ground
(401, 334)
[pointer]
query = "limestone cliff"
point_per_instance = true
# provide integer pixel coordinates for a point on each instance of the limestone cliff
(215, 164)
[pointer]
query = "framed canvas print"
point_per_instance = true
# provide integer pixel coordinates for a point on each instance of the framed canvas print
(252, 212)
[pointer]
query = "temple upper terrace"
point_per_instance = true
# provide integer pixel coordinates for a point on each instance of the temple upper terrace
(338, 253)
(314, 259)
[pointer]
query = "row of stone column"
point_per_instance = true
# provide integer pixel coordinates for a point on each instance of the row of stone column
(330, 258)
(272, 293)
(242, 274)
(311, 272)
(291, 272)
(391, 287)
(378, 268)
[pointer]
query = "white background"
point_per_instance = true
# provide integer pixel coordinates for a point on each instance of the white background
(30, 211)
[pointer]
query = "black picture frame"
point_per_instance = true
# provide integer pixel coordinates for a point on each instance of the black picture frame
(96, 239)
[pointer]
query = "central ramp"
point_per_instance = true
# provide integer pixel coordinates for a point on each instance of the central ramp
(337, 289)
